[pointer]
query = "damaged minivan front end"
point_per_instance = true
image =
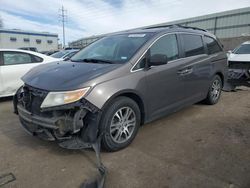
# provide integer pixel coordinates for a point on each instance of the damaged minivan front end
(239, 73)
(56, 116)
(239, 66)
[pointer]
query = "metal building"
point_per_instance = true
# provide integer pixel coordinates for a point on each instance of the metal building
(232, 27)
(13, 38)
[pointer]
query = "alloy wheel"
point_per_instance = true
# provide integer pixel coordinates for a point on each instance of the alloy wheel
(216, 89)
(122, 124)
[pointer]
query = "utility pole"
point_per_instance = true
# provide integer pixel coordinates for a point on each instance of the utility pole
(1, 22)
(62, 17)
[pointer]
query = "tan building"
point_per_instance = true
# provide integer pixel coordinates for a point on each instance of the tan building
(14, 38)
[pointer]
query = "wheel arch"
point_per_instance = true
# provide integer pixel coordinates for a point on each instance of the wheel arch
(132, 95)
(221, 76)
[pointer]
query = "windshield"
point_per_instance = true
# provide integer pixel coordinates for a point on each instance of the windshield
(59, 54)
(243, 49)
(115, 49)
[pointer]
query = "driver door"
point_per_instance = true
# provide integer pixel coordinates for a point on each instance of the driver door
(166, 91)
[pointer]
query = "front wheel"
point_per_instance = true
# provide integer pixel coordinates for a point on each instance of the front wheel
(214, 92)
(120, 123)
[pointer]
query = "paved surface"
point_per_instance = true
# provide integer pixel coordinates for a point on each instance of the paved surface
(200, 146)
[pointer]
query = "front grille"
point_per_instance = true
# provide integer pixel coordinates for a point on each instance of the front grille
(32, 99)
(239, 64)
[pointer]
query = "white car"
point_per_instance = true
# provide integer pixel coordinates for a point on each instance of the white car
(239, 66)
(14, 64)
(241, 53)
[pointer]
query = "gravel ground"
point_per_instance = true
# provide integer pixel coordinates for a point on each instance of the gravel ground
(199, 146)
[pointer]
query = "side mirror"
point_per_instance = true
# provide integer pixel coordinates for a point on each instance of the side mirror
(158, 59)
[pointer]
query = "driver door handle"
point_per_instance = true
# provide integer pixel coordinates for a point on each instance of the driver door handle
(185, 71)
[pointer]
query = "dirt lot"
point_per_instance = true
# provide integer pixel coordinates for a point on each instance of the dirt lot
(200, 146)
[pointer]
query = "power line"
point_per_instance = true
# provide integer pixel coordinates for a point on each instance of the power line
(62, 18)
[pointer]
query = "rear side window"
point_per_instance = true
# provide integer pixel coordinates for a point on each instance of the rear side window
(192, 45)
(166, 45)
(212, 45)
(14, 58)
(36, 59)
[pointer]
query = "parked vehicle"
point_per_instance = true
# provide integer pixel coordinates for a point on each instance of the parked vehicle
(33, 49)
(64, 54)
(14, 64)
(50, 52)
(239, 66)
(120, 82)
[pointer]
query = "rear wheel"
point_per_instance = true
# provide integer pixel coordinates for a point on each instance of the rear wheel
(214, 92)
(120, 123)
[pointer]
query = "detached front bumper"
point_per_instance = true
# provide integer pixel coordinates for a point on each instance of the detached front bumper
(39, 126)
(72, 125)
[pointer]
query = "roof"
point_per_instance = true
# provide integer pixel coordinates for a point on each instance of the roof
(23, 32)
(165, 29)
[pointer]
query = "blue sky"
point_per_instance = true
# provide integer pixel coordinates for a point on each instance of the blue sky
(92, 17)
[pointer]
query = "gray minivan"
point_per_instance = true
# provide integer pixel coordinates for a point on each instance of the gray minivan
(110, 88)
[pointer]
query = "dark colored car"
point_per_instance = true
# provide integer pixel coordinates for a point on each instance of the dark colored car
(120, 82)
(65, 54)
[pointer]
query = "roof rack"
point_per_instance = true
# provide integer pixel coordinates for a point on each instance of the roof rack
(176, 26)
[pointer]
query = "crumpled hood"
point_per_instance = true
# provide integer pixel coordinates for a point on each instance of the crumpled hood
(63, 76)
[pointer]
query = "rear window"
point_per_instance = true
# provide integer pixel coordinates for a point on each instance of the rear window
(212, 45)
(192, 44)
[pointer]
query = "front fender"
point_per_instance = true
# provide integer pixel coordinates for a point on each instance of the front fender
(103, 92)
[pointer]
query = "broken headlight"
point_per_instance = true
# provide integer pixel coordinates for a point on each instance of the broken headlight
(63, 97)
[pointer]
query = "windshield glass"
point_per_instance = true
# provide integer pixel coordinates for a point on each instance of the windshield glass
(115, 49)
(59, 54)
(243, 49)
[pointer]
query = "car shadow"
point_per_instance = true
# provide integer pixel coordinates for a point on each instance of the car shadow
(4, 99)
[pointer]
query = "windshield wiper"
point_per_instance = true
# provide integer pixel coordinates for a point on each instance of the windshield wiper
(93, 60)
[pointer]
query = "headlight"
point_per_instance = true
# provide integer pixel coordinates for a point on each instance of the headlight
(64, 97)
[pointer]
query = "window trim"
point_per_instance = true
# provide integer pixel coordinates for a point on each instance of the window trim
(202, 40)
(143, 54)
(2, 52)
(221, 49)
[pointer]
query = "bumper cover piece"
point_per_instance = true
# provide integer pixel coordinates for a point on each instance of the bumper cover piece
(238, 75)
(37, 120)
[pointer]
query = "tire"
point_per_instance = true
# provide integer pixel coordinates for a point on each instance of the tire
(119, 129)
(214, 92)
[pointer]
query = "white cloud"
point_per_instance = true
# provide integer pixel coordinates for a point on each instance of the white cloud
(88, 17)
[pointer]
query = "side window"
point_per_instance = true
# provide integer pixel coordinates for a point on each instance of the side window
(166, 45)
(36, 59)
(212, 45)
(193, 45)
(13, 58)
